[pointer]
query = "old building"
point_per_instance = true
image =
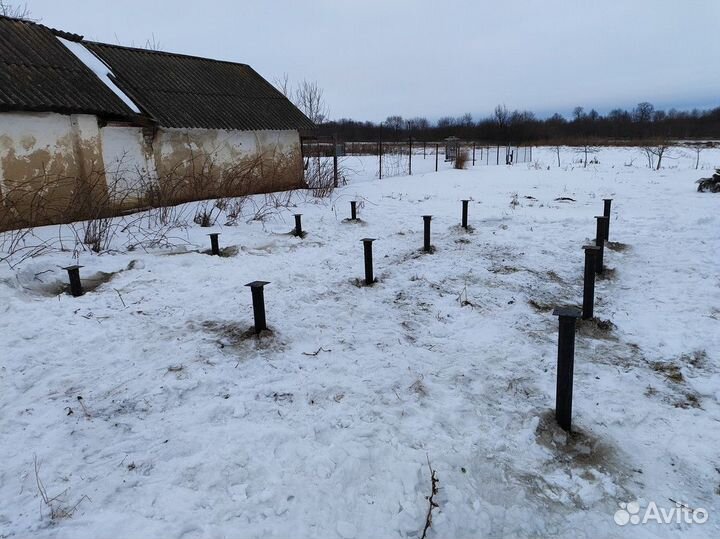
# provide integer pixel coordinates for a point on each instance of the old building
(86, 125)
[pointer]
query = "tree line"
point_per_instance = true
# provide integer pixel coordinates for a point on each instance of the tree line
(642, 123)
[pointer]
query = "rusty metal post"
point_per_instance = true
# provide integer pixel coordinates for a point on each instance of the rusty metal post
(258, 299)
(76, 288)
(367, 245)
(214, 244)
(565, 365)
(591, 253)
(426, 233)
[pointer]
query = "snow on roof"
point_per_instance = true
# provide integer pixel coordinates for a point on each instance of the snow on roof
(98, 67)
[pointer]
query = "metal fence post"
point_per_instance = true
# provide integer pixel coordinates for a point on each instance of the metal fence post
(335, 162)
(473, 154)
(380, 155)
(353, 210)
(437, 149)
(465, 214)
(410, 159)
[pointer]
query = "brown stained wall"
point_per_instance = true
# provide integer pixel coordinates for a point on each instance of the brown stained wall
(203, 163)
(51, 168)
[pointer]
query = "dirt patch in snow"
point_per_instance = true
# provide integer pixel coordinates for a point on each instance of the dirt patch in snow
(596, 328)
(225, 252)
(237, 337)
(576, 447)
(617, 246)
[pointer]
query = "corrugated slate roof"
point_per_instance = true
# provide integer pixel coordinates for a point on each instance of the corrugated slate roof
(186, 91)
(38, 73)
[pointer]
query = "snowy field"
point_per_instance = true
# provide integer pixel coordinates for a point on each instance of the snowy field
(145, 408)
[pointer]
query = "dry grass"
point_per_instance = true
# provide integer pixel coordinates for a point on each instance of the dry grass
(461, 160)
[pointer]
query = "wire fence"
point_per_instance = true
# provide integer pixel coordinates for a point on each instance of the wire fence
(397, 158)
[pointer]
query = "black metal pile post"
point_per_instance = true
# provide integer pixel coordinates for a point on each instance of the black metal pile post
(258, 299)
(565, 365)
(214, 244)
(426, 233)
(367, 244)
(591, 253)
(600, 241)
(76, 288)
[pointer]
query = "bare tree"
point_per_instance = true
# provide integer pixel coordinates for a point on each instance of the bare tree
(283, 84)
(309, 99)
(698, 148)
(20, 11)
(656, 149)
(307, 96)
(643, 113)
(501, 116)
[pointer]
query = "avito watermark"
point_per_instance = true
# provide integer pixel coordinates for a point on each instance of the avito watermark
(629, 513)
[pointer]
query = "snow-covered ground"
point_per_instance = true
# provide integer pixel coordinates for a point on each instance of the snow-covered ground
(146, 409)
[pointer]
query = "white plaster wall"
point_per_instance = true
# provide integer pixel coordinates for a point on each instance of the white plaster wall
(225, 146)
(129, 165)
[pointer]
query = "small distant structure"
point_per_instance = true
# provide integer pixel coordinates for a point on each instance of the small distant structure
(452, 146)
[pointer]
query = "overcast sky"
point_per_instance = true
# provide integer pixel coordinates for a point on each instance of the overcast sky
(375, 58)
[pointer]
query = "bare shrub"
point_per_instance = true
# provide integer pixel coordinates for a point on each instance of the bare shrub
(320, 176)
(461, 159)
(206, 214)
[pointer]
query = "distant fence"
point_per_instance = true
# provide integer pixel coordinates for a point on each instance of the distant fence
(396, 158)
